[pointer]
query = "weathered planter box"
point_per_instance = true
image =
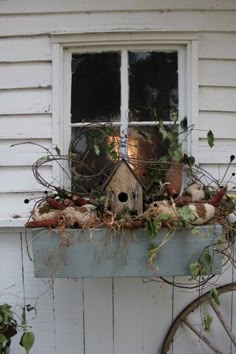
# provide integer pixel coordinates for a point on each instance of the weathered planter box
(98, 253)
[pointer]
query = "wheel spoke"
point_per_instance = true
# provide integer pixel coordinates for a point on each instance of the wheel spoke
(223, 322)
(202, 337)
(182, 318)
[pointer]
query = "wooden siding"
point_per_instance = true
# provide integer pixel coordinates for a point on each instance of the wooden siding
(39, 75)
(25, 49)
(223, 124)
(49, 6)
(25, 115)
(31, 126)
(12, 204)
(104, 316)
(25, 101)
(45, 24)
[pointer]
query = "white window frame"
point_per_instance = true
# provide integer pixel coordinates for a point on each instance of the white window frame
(63, 46)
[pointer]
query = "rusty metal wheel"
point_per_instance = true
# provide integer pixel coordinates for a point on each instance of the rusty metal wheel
(184, 319)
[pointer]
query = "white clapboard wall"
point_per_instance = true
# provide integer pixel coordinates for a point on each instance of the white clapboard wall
(102, 316)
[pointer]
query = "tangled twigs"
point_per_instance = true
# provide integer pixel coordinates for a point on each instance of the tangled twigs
(48, 158)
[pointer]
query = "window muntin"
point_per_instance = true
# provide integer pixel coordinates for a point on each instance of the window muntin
(131, 90)
(97, 86)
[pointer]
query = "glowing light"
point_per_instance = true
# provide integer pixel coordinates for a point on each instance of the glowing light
(114, 142)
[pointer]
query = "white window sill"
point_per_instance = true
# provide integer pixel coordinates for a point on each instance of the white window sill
(13, 223)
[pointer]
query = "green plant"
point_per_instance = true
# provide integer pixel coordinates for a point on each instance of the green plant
(202, 266)
(9, 326)
(207, 320)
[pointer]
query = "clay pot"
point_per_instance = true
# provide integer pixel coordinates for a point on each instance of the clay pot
(174, 177)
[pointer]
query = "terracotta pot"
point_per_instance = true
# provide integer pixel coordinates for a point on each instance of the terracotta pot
(174, 177)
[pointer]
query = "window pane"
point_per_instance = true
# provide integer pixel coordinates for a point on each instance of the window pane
(149, 153)
(95, 87)
(94, 153)
(153, 84)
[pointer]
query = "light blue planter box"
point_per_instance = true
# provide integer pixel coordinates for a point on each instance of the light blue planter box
(99, 253)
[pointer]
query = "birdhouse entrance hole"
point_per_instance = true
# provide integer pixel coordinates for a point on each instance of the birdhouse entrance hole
(123, 197)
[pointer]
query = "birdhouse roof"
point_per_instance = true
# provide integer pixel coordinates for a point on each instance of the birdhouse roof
(115, 170)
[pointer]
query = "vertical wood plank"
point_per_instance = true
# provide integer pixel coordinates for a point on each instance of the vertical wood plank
(128, 316)
(98, 315)
(11, 289)
(38, 293)
(69, 331)
(157, 314)
(233, 309)
(11, 267)
(142, 315)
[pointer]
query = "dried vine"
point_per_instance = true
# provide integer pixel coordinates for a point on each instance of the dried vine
(94, 153)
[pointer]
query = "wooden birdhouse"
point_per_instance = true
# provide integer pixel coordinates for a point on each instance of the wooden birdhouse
(124, 189)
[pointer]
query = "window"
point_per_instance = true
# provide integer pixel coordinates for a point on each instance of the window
(113, 96)
(133, 90)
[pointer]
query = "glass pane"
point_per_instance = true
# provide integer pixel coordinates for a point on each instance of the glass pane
(153, 83)
(95, 87)
(94, 153)
(149, 153)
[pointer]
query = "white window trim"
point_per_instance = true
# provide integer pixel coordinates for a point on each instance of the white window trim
(63, 45)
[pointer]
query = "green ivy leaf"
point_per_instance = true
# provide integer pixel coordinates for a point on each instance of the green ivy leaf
(27, 341)
(164, 132)
(3, 341)
(113, 155)
(207, 320)
(151, 247)
(187, 214)
(210, 138)
(188, 160)
(111, 146)
(195, 269)
(96, 149)
(207, 258)
(177, 155)
(109, 131)
(203, 271)
(153, 226)
(58, 151)
(215, 296)
(163, 217)
(102, 200)
(195, 231)
(220, 243)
